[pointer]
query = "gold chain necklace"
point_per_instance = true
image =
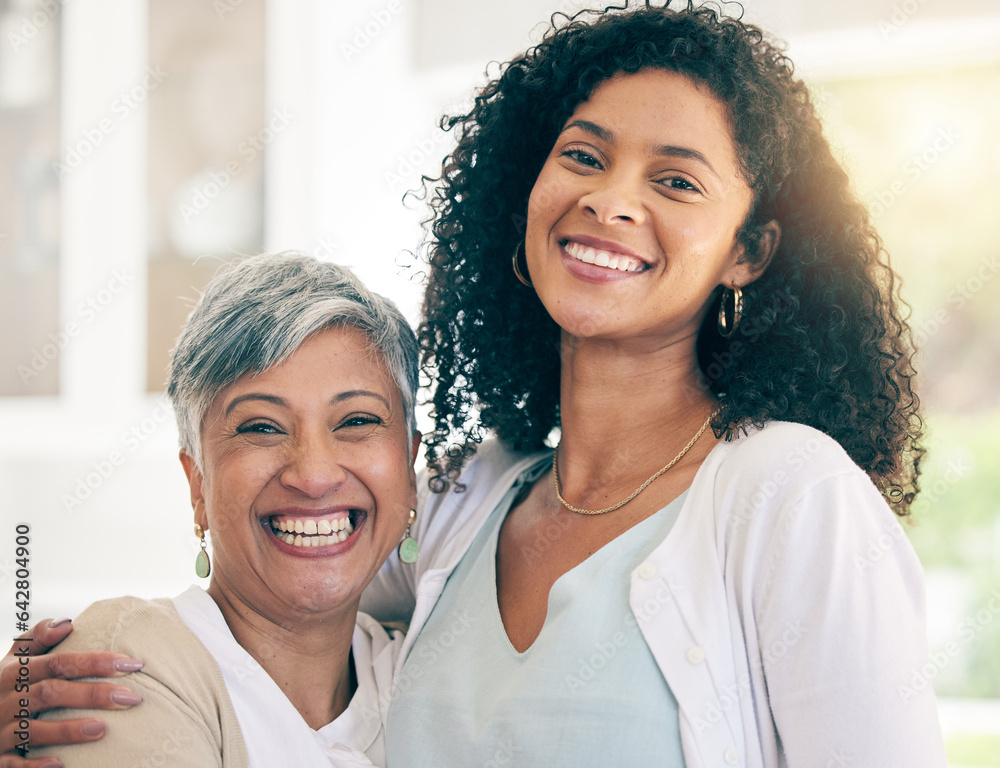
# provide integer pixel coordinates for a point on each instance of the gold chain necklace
(640, 489)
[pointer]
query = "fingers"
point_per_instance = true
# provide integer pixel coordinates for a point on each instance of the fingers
(33, 680)
(17, 707)
(13, 761)
(46, 634)
(82, 664)
(41, 733)
(43, 636)
(50, 694)
(31, 671)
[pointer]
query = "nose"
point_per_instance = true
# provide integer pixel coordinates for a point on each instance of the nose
(314, 466)
(615, 198)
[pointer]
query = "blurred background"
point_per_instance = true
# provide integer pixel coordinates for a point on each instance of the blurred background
(143, 143)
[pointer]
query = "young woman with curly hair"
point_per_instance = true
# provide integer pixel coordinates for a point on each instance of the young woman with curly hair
(645, 254)
(822, 341)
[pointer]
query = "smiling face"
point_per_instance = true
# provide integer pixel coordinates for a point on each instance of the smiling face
(307, 478)
(632, 221)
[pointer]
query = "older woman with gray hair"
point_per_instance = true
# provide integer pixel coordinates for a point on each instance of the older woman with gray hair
(294, 388)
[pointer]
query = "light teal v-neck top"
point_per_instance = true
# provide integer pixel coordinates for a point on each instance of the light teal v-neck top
(587, 691)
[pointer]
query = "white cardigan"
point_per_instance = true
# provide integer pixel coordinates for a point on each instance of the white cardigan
(785, 608)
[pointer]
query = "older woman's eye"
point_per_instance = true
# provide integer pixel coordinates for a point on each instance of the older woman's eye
(361, 420)
(258, 428)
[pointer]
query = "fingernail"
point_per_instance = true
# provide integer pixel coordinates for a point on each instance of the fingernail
(127, 665)
(93, 728)
(126, 698)
(57, 623)
(49, 762)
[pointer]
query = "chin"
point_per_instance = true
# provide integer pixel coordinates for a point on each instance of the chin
(320, 604)
(323, 594)
(580, 325)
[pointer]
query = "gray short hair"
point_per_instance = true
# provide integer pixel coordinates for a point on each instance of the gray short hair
(257, 312)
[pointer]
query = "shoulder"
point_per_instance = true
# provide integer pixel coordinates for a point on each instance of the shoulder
(787, 482)
(778, 463)
(185, 702)
(782, 446)
(461, 508)
(787, 492)
(123, 624)
(153, 631)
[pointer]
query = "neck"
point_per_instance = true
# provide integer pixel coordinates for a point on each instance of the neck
(308, 657)
(625, 413)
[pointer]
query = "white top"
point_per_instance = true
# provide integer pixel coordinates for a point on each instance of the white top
(586, 692)
(273, 730)
(785, 608)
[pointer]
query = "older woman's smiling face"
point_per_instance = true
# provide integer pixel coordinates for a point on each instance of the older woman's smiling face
(307, 478)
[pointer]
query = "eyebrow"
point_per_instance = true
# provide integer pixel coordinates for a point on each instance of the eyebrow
(253, 396)
(664, 150)
(359, 393)
(602, 133)
(338, 398)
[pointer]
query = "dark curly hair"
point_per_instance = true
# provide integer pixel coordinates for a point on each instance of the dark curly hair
(823, 339)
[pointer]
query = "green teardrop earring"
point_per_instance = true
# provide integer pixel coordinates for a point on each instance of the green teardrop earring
(202, 565)
(408, 550)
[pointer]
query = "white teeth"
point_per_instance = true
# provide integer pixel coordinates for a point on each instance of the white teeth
(312, 532)
(617, 261)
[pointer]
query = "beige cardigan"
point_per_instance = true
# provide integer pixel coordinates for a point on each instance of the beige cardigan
(186, 718)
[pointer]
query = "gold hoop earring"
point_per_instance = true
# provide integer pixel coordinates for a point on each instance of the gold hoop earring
(517, 271)
(202, 565)
(725, 330)
(408, 550)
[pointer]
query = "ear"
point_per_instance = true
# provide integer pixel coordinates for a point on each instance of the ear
(196, 482)
(745, 271)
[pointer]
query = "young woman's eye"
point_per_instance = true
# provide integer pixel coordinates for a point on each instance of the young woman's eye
(257, 428)
(679, 183)
(582, 157)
